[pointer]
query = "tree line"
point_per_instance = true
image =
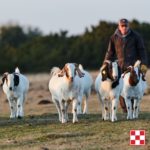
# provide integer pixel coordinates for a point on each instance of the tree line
(32, 51)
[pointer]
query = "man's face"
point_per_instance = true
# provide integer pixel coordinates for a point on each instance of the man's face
(123, 28)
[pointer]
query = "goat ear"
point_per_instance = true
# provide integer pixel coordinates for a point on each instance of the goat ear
(119, 72)
(80, 73)
(4, 77)
(16, 80)
(103, 71)
(104, 74)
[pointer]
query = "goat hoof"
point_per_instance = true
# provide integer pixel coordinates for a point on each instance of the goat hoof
(64, 121)
(12, 117)
(19, 117)
(75, 121)
(85, 113)
(79, 113)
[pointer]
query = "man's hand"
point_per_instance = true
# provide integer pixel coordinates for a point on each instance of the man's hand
(144, 69)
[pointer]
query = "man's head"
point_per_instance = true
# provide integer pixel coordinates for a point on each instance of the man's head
(123, 26)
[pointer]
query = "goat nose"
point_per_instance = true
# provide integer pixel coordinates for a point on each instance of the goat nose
(10, 88)
(115, 77)
(71, 78)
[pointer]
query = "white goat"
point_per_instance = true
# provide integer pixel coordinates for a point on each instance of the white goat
(87, 82)
(65, 86)
(15, 86)
(134, 86)
(108, 87)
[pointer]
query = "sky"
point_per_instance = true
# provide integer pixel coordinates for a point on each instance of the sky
(51, 16)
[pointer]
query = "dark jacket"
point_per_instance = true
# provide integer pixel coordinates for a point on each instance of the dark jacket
(126, 49)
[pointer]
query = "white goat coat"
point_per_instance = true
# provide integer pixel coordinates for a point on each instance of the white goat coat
(60, 88)
(87, 82)
(20, 90)
(62, 91)
(17, 95)
(133, 92)
(108, 96)
(105, 90)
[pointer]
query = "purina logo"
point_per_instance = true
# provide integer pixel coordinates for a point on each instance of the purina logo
(137, 137)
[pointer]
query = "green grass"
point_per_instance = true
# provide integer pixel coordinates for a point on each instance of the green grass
(45, 131)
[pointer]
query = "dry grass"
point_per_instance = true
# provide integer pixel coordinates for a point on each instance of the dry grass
(41, 130)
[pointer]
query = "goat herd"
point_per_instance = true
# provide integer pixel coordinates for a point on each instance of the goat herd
(72, 83)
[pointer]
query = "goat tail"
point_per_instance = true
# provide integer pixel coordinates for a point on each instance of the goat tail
(137, 63)
(54, 71)
(81, 67)
(17, 70)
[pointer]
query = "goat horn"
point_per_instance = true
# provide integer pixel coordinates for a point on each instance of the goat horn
(103, 66)
(80, 73)
(128, 70)
(107, 61)
(61, 73)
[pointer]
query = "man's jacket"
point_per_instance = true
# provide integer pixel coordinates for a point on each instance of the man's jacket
(126, 49)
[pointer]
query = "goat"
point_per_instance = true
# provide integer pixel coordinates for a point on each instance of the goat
(87, 82)
(134, 86)
(108, 86)
(65, 86)
(15, 86)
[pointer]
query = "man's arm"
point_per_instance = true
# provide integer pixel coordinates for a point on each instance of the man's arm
(110, 51)
(142, 54)
(141, 50)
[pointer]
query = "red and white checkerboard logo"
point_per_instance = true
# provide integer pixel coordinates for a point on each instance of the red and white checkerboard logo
(137, 137)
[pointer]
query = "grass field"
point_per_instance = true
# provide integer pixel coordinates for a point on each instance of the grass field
(41, 130)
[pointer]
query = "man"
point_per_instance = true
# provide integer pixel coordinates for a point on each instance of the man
(127, 46)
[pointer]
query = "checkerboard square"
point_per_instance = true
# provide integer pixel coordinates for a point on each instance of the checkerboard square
(142, 137)
(132, 132)
(137, 132)
(142, 142)
(137, 142)
(132, 142)
(142, 132)
(137, 137)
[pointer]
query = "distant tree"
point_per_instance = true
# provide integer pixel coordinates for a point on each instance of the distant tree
(32, 51)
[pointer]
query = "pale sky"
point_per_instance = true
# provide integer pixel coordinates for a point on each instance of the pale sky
(71, 15)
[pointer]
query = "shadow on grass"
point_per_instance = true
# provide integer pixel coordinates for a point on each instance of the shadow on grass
(64, 135)
(53, 119)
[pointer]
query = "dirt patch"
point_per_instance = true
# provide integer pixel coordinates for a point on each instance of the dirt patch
(44, 102)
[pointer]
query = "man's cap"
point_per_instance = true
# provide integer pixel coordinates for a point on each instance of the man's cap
(123, 21)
